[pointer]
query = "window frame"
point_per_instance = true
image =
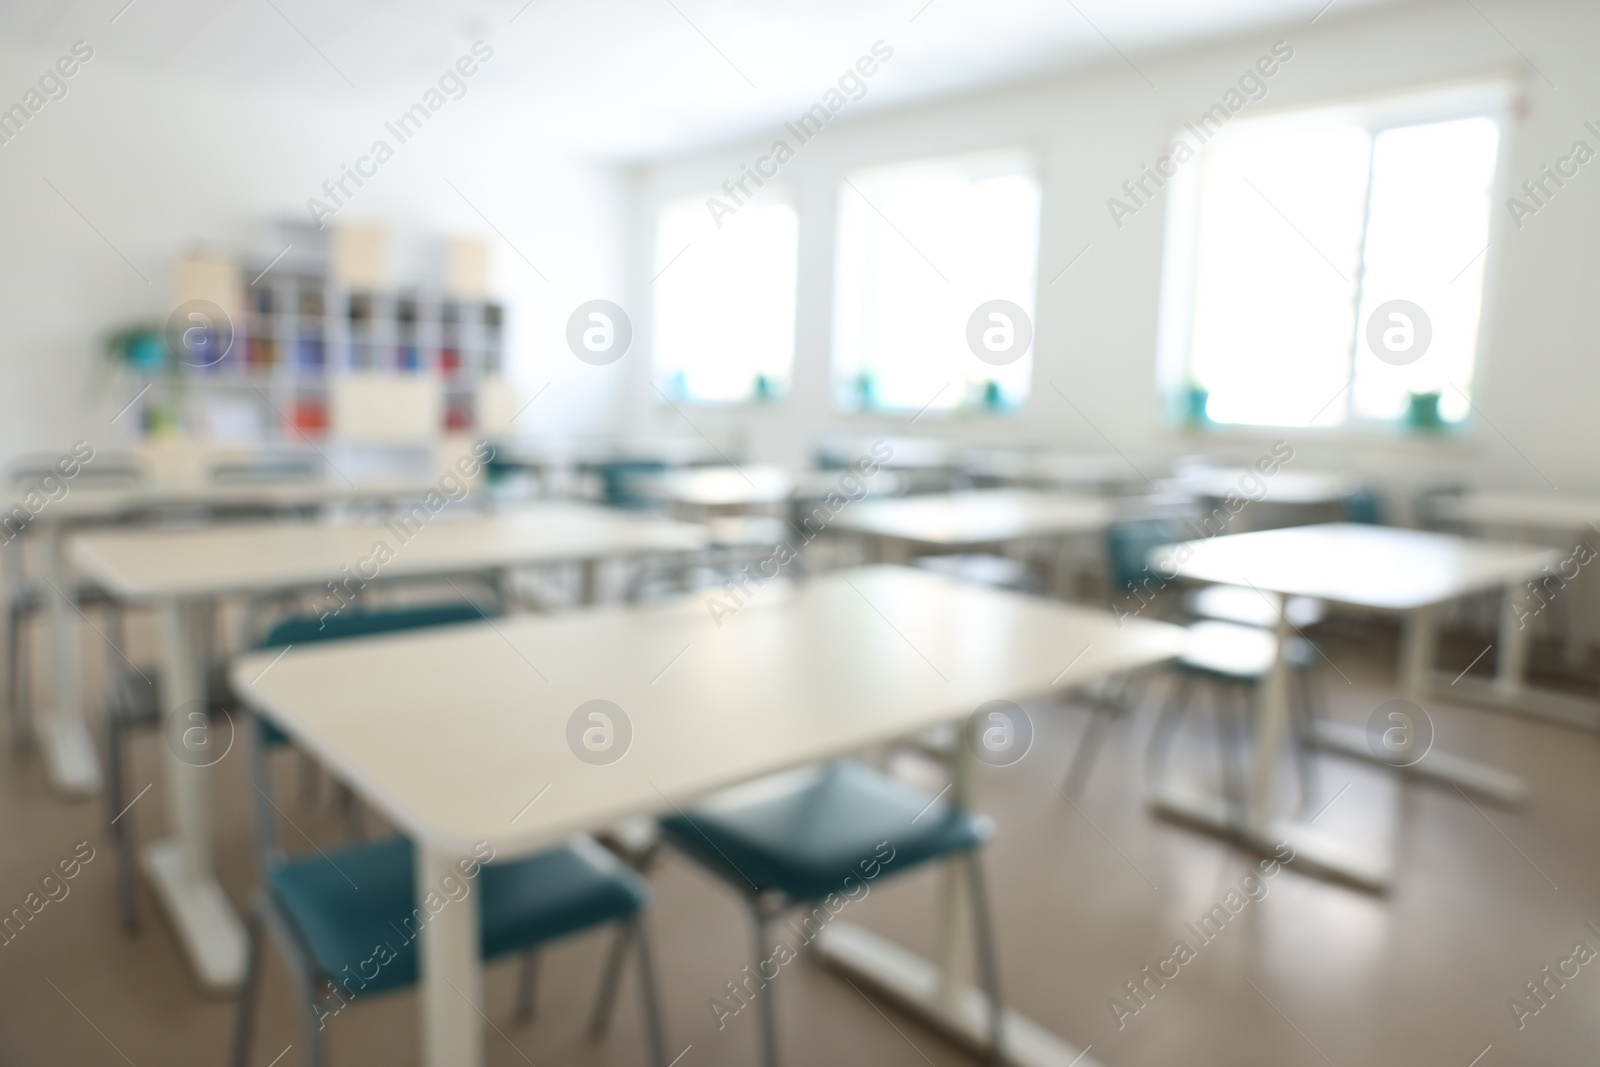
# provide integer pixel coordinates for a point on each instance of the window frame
(1496, 98)
(775, 195)
(1031, 158)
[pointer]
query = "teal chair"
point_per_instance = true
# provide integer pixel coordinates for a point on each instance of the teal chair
(1364, 505)
(324, 927)
(1135, 586)
(792, 840)
(620, 481)
(1231, 649)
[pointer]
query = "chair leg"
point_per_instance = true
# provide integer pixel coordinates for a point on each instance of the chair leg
(650, 996)
(1231, 733)
(1161, 736)
(120, 823)
(600, 1022)
(988, 959)
(350, 808)
(19, 677)
(1094, 736)
(244, 1019)
(308, 780)
(312, 1023)
(308, 982)
(766, 1010)
(527, 985)
(1305, 740)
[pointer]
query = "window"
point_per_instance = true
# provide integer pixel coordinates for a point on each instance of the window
(922, 248)
(724, 302)
(1326, 268)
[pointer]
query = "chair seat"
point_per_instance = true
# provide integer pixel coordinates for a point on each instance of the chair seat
(1239, 653)
(525, 903)
(803, 833)
(1247, 607)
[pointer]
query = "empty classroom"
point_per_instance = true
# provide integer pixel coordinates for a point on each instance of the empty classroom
(696, 534)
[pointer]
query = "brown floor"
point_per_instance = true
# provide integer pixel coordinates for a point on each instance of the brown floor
(1085, 896)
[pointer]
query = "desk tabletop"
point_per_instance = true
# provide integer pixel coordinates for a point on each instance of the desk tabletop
(981, 516)
(89, 502)
(1053, 467)
(453, 733)
(148, 563)
(1528, 510)
(724, 486)
(1284, 487)
(1372, 566)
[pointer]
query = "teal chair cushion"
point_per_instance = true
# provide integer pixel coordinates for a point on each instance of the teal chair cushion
(309, 629)
(802, 834)
(357, 907)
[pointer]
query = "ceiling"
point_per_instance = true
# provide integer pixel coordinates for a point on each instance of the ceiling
(631, 79)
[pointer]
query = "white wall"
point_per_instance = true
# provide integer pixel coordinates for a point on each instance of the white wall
(1096, 326)
(158, 165)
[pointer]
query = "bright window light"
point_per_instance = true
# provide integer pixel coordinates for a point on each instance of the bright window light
(921, 247)
(724, 302)
(1297, 242)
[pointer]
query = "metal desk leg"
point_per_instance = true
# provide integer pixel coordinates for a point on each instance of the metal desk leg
(1272, 719)
(588, 581)
(1511, 661)
(1418, 643)
(1510, 691)
(1257, 827)
(59, 722)
(451, 987)
(180, 867)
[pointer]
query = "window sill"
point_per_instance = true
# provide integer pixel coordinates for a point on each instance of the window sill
(1453, 438)
(945, 414)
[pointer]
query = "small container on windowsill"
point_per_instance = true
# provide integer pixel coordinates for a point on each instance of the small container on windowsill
(1422, 414)
(1192, 407)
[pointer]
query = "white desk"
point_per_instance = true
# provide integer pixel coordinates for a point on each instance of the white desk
(977, 517)
(1284, 487)
(450, 735)
(724, 487)
(1407, 571)
(1551, 512)
(756, 485)
(181, 572)
(948, 521)
(1049, 469)
(59, 722)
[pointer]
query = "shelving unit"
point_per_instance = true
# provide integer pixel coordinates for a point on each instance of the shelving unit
(295, 334)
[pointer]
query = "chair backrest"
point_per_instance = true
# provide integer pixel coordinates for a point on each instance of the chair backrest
(311, 629)
(1129, 543)
(619, 481)
(1364, 505)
